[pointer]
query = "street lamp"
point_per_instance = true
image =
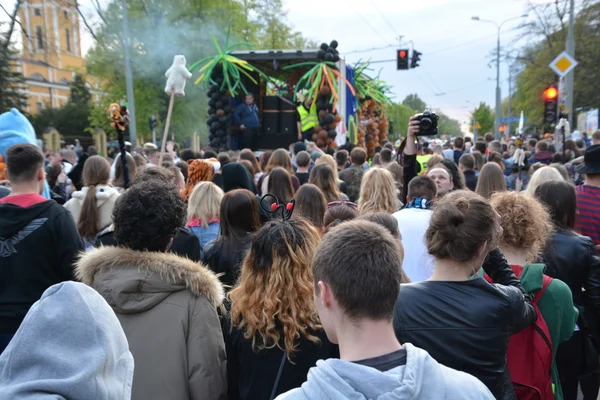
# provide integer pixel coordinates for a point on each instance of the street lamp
(498, 96)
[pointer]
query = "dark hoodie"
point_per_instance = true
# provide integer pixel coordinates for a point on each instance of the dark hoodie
(544, 157)
(39, 243)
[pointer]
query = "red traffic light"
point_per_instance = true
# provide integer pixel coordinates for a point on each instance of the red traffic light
(402, 53)
(551, 93)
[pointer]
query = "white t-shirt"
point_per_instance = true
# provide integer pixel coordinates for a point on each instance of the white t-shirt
(413, 223)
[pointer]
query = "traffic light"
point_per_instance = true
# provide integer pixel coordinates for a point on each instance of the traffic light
(416, 57)
(152, 122)
(550, 104)
(402, 58)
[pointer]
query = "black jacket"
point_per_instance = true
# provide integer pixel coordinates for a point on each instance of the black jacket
(185, 243)
(470, 179)
(225, 256)
(252, 375)
(38, 249)
(467, 325)
(573, 259)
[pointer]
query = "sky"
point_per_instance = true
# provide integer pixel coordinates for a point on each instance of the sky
(456, 50)
(455, 71)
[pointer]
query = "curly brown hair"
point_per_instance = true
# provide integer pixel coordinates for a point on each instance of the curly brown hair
(525, 221)
(273, 300)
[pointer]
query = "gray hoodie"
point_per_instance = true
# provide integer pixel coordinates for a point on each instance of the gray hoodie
(69, 346)
(421, 378)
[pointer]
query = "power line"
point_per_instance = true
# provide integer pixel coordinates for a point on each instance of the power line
(367, 23)
(431, 79)
(385, 19)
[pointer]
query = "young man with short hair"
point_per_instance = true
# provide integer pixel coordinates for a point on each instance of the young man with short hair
(303, 162)
(357, 273)
(341, 159)
(353, 175)
(39, 242)
(596, 137)
(385, 157)
(466, 164)
(459, 144)
(413, 221)
(542, 154)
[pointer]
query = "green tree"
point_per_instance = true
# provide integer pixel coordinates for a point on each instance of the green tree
(80, 94)
(484, 116)
(158, 31)
(73, 119)
(414, 102)
(448, 126)
(398, 115)
(548, 35)
(10, 80)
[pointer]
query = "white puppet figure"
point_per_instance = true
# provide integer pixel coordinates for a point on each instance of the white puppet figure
(176, 75)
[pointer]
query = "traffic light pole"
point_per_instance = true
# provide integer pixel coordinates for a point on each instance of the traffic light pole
(129, 79)
(571, 50)
(498, 94)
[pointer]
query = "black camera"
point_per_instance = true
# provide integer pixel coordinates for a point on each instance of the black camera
(428, 123)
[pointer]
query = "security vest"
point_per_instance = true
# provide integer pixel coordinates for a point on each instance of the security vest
(308, 119)
(422, 160)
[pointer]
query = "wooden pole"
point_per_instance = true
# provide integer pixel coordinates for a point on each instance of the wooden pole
(166, 132)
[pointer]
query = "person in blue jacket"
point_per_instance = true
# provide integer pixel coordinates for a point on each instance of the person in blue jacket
(247, 117)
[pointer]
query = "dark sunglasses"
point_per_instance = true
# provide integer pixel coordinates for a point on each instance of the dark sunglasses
(339, 203)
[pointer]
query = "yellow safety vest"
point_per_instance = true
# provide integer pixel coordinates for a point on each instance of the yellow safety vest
(422, 159)
(308, 119)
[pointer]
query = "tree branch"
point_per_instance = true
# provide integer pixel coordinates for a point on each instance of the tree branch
(85, 22)
(13, 21)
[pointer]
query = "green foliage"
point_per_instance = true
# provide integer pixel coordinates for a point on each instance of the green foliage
(73, 119)
(162, 29)
(10, 96)
(484, 117)
(399, 114)
(448, 126)
(414, 102)
(550, 33)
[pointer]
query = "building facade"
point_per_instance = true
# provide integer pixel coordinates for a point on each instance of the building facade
(51, 53)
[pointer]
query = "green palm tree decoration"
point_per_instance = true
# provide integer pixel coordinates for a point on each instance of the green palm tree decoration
(232, 68)
(366, 86)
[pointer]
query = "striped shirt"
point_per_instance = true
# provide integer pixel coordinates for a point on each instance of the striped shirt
(588, 205)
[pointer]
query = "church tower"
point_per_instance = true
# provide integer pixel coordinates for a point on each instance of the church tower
(52, 32)
(51, 54)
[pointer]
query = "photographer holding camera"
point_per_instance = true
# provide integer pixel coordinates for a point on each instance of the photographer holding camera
(424, 124)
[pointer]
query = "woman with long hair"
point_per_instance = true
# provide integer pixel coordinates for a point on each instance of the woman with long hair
(573, 259)
(491, 180)
(466, 323)
(203, 210)
(326, 159)
(247, 154)
(526, 228)
(378, 192)
(279, 159)
(118, 181)
(324, 178)
(458, 179)
(280, 185)
(542, 175)
(311, 204)
(479, 161)
(92, 207)
(239, 220)
(274, 335)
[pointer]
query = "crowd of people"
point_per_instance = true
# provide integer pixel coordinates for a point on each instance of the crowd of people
(463, 271)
